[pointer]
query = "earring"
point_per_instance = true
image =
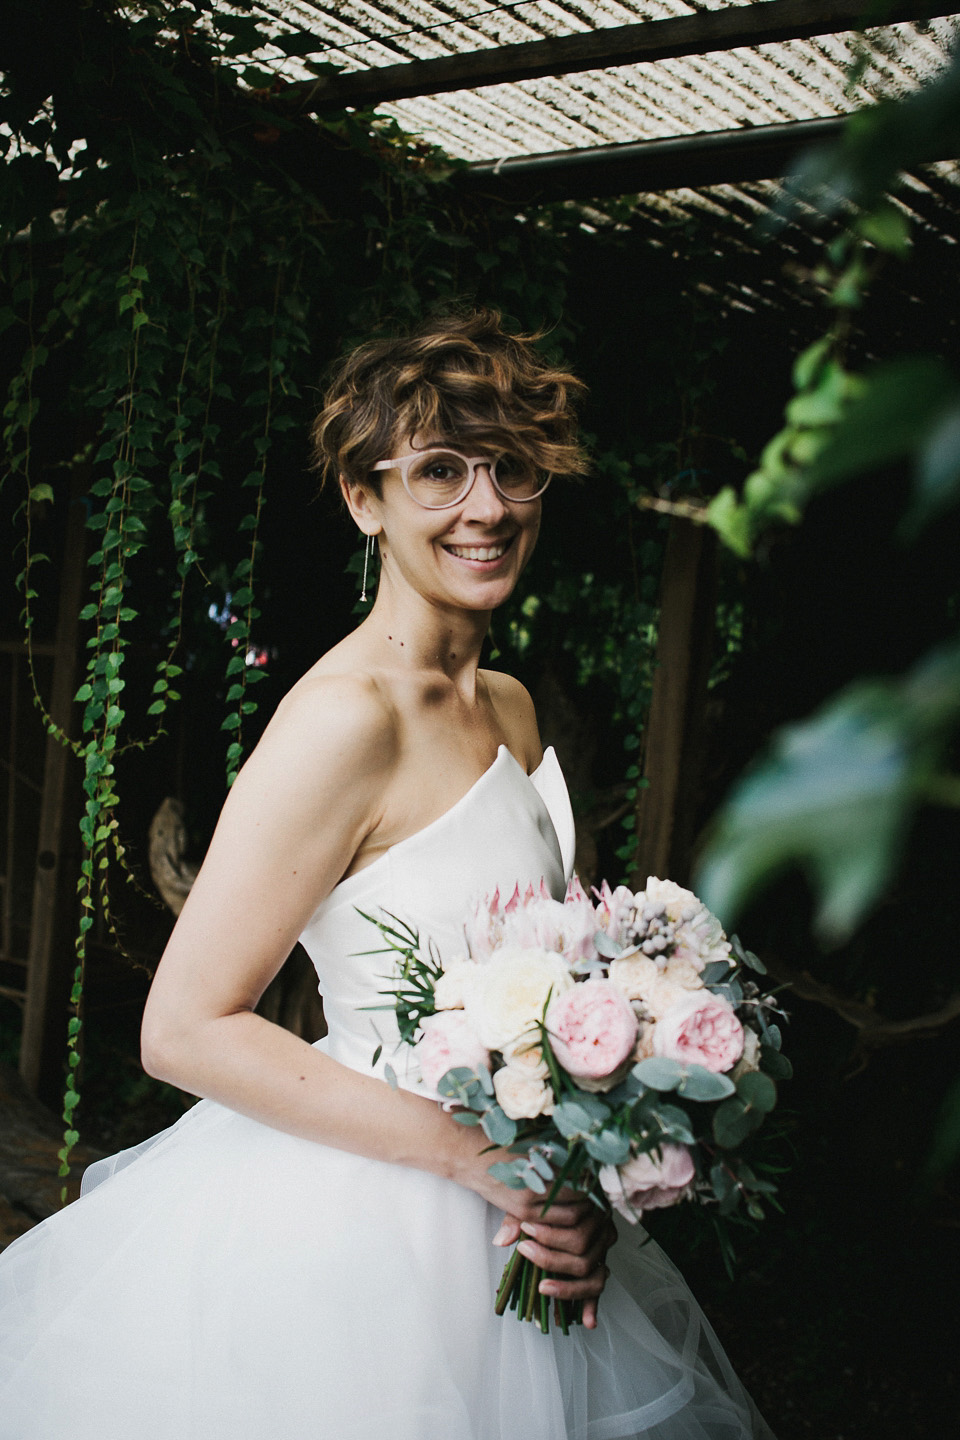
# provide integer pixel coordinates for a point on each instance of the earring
(367, 554)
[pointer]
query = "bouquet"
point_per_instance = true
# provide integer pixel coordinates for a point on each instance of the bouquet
(619, 1044)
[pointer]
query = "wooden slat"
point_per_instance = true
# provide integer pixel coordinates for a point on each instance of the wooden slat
(672, 739)
(706, 31)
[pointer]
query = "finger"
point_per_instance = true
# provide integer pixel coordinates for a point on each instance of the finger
(510, 1231)
(576, 1239)
(590, 1308)
(588, 1288)
(563, 1262)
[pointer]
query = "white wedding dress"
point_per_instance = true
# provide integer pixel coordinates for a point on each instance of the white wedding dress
(226, 1281)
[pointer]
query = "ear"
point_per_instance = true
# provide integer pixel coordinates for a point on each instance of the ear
(362, 504)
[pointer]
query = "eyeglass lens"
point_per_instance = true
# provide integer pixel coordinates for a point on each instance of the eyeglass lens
(441, 477)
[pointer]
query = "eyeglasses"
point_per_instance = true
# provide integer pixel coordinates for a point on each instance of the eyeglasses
(438, 479)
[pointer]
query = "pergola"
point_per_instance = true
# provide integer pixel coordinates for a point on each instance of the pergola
(691, 107)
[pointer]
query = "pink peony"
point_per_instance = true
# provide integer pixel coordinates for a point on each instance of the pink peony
(448, 1042)
(592, 1029)
(700, 1030)
(645, 1183)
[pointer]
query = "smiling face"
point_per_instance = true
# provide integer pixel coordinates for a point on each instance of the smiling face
(469, 555)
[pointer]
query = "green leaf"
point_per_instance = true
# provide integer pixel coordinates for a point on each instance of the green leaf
(835, 795)
(731, 520)
(660, 1074)
(41, 492)
(888, 228)
(498, 1127)
(775, 1064)
(704, 1085)
(730, 1124)
(937, 473)
(901, 401)
(757, 1090)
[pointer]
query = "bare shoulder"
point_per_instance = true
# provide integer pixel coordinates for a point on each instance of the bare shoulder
(330, 733)
(515, 711)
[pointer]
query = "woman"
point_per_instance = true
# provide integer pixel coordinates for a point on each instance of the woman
(309, 1252)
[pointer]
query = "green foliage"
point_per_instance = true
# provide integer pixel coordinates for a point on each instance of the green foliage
(176, 281)
(836, 794)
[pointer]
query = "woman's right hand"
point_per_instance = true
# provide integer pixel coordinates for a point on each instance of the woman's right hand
(569, 1240)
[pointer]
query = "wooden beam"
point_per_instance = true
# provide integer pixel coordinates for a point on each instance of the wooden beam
(706, 31)
(672, 742)
(715, 157)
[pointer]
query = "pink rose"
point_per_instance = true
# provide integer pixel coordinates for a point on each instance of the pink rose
(448, 1042)
(592, 1029)
(646, 1183)
(700, 1030)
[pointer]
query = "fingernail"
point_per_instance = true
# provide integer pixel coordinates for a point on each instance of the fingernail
(526, 1249)
(548, 1287)
(502, 1235)
(528, 1228)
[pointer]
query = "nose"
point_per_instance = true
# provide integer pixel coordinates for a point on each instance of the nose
(484, 503)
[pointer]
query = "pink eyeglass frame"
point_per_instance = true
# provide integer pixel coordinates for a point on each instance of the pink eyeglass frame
(404, 462)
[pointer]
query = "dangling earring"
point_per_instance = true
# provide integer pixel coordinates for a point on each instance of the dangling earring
(367, 554)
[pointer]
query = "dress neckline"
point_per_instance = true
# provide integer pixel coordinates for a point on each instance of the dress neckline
(503, 753)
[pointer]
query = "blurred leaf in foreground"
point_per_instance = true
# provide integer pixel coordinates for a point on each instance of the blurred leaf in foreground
(835, 794)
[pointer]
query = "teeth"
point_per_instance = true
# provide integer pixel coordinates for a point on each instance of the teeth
(478, 552)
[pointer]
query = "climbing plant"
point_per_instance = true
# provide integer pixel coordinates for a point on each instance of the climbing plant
(182, 256)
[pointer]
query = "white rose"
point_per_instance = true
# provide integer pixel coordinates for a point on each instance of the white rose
(750, 1059)
(454, 986)
(701, 939)
(521, 1093)
(528, 1058)
(680, 904)
(508, 999)
(635, 975)
(673, 984)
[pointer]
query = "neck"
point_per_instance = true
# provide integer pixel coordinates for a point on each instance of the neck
(410, 630)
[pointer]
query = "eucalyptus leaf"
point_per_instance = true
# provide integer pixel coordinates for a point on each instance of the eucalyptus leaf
(609, 1147)
(730, 1124)
(390, 1075)
(757, 1090)
(498, 1127)
(658, 1073)
(605, 946)
(722, 1180)
(466, 1117)
(714, 973)
(571, 1119)
(509, 1172)
(702, 1084)
(775, 1064)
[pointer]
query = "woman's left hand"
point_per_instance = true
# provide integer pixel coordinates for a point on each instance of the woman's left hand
(574, 1256)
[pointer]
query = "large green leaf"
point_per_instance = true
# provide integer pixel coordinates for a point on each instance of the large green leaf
(834, 795)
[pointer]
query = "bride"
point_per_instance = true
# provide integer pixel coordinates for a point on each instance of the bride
(310, 1254)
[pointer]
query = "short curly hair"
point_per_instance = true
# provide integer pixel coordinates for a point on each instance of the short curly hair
(456, 378)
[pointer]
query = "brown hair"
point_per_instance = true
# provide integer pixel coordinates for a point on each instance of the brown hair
(455, 378)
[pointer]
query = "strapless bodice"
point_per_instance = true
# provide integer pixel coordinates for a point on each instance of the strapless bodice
(509, 828)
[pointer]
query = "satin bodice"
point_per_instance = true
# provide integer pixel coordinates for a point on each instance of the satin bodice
(509, 828)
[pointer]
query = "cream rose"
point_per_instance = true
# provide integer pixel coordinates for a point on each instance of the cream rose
(521, 1087)
(673, 984)
(750, 1059)
(455, 984)
(508, 999)
(635, 975)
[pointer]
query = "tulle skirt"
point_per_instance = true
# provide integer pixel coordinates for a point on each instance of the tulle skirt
(226, 1281)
